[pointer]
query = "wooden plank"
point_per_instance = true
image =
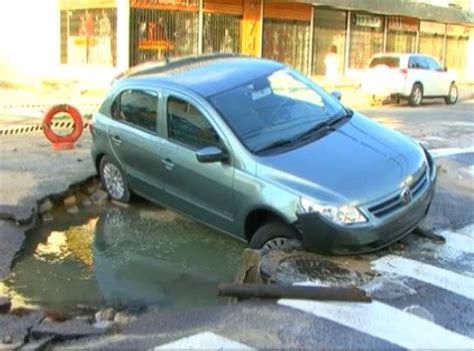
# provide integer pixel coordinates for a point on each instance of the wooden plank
(86, 4)
(232, 7)
(252, 28)
(287, 11)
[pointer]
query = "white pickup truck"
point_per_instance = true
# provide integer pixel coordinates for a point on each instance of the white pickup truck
(410, 76)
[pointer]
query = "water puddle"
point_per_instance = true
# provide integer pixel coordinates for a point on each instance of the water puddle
(118, 256)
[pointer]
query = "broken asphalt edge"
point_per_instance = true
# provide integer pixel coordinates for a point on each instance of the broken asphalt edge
(27, 223)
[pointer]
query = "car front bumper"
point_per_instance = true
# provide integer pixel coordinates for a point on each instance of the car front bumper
(323, 236)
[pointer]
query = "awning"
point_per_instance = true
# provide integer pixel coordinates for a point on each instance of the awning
(406, 8)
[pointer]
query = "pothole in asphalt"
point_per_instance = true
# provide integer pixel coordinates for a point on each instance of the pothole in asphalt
(114, 256)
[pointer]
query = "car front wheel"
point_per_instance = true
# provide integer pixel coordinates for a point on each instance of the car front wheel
(275, 236)
(416, 95)
(452, 97)
(114, 180)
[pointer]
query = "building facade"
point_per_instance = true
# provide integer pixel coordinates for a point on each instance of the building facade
(116, 34)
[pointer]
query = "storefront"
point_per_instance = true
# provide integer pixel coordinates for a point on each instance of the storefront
(432, 39)
(163, 29)
(298, 34)
(366, 39)
(329, 35)
(88, 32)
(286, 34)
(401, 34)
(457, 38)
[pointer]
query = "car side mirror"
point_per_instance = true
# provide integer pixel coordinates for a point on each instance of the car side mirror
(337, 94)
(211, 154)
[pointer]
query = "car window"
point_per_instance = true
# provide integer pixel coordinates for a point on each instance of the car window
(389, 61)
(138, 108)
(418, 62)
(433, 64)
(188, 126)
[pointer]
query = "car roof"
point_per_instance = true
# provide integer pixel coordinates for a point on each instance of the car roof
(205, 76)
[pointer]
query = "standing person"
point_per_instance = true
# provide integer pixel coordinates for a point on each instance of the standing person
(331, 63)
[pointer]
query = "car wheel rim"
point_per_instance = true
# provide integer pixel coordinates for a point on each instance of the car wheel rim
(417, 95)
(114, 182)
(453, 94)
(279, 243)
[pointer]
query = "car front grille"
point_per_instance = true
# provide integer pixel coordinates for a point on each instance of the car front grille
(393, 203)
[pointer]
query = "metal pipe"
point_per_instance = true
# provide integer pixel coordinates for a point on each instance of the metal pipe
(200, 26)
(347, 43)
(293, 292)
(311, 43)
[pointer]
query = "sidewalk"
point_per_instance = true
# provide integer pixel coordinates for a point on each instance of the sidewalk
(21, 101)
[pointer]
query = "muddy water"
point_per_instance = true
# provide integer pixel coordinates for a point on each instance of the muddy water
(118, 256)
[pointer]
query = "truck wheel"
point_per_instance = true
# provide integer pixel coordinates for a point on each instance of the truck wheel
(453, 95)
(275, 236)
(114, 180)
(416, 95)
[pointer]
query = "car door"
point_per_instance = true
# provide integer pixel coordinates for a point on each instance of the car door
(440, 79)
(136, 140)
(424, 75)
(201, 190)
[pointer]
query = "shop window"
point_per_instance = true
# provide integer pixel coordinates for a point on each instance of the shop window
(401, 34)
(287, 41)
(329, 35)
(221, 33)
(157, 34)
(88, 36)
(366, 39)
(433, 45)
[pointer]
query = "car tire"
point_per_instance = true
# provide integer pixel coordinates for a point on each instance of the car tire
(275, 235)
(416, 95)
(114, 180)
(453, 95)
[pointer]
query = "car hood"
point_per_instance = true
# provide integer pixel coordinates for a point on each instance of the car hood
(359, 162)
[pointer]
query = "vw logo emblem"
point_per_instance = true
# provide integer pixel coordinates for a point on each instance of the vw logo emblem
(405, 196)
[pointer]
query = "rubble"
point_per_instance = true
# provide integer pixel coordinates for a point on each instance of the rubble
(71, 329)
(72, 210)
(70, 201)
(100, 197)
(5, 305)
(45, 206)
(124, 318)
(106, 314)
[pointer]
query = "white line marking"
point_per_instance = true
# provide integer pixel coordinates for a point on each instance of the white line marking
(439, 277)
(385, 322)
(206, 341)
(450, 151)
(458, 241)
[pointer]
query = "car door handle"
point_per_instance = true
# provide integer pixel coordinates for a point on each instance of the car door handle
(116, 140)
(169, 165)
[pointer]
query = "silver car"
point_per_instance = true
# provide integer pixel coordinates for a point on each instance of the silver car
(258, 151)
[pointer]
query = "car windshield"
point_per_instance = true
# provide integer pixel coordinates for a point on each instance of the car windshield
(276, 109)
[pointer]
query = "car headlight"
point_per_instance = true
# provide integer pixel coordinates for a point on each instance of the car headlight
(345, 214)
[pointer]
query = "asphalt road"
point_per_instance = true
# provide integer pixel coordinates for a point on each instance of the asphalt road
(423, 294)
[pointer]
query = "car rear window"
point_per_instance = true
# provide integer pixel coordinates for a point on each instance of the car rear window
(390, 61)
